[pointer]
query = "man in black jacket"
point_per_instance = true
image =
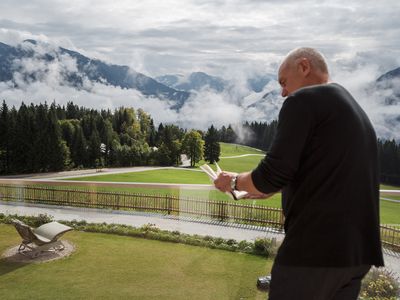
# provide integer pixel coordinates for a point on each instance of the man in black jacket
(324, 160)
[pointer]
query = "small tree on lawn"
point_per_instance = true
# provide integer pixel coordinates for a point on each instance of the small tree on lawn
(212, 149)
(193, 146)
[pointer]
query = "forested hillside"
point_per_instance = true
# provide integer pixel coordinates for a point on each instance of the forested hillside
(41, 138)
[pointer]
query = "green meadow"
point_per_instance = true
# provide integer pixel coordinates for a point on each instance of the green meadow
(107, 266)
(390, 211)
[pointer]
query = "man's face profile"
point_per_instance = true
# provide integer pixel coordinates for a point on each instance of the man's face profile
(293, 75)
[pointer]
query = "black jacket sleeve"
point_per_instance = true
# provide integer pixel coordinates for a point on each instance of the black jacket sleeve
(279, 165)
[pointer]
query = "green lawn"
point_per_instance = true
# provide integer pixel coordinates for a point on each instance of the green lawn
(390, 212)
(115, 267)
(389, 187)
(240, 164)
(163, 175)
(234, 149)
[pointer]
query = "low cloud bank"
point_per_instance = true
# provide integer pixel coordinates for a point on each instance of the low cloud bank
(233, 106)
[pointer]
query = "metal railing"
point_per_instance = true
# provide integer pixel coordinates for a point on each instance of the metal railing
(166, 204)
(52, 192)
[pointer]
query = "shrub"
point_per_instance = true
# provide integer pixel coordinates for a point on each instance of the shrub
(380, 284)
(264, 247)
(33, 221)
(150, 231)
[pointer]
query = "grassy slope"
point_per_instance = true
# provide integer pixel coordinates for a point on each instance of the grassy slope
(234, 149)
(164, 176)
(114, 267)
(389, 187)
(390, 212)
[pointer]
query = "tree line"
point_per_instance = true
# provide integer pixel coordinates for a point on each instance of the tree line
(262, 135)
(42, 138)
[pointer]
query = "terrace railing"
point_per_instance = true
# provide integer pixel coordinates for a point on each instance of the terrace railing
(165, 204)
(52, 192)
(390, 236)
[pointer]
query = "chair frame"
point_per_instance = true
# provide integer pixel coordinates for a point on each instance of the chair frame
(33, 244)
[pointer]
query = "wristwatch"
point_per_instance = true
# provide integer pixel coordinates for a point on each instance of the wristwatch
(233, 182)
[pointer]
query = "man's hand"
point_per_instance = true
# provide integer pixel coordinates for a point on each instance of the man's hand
(223, 182)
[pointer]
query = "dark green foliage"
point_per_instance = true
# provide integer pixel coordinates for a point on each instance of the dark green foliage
(5, 138)
(79, 147)
(227, 135)
(39, 138)
(264, 247)
(169, 143)
(212, 149)
(33, 221)
(57, 156)
(260, 135)
(389, 157)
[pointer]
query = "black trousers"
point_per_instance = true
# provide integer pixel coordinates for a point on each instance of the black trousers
(309, 283)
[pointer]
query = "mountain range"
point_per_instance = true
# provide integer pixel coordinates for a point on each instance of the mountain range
(197, 81)
(174, 88)
(92, 69)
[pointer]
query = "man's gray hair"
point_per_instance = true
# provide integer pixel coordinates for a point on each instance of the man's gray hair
(315, 58)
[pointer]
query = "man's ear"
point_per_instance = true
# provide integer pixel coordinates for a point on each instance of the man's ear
(304, 66)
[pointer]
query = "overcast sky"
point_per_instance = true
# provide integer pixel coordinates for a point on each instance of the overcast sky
(171, 36)
(233, 39)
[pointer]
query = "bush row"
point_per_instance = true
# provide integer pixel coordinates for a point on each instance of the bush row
(261, 246)
(380, 284)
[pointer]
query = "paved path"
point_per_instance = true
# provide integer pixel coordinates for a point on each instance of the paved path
(391, 200)
(181, 223)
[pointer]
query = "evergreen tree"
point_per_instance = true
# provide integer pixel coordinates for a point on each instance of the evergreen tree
(23, 143)
(72, 111)
(94, 150)
(4, 139)
(42, 142)
(12, 127)
(106, 137)
(230, 135)
(212, 149)
(159, 134)
(152, 134)
(56, 154)
(79, 148)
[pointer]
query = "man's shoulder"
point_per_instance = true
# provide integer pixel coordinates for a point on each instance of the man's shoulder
(326, 95)
(318, 89)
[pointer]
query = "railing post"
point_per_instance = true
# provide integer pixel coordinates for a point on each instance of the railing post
(168, 202)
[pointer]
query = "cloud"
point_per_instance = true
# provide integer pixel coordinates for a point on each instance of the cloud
(182, 36)
(234, 39)
(235, 105)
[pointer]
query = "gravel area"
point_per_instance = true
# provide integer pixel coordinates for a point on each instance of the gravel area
(13, 255)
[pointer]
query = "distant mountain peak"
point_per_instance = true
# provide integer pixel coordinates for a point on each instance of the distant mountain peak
(92, 69)
(390, 75)
(34, 42)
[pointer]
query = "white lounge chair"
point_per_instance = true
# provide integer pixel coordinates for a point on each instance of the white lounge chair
(44, 238)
